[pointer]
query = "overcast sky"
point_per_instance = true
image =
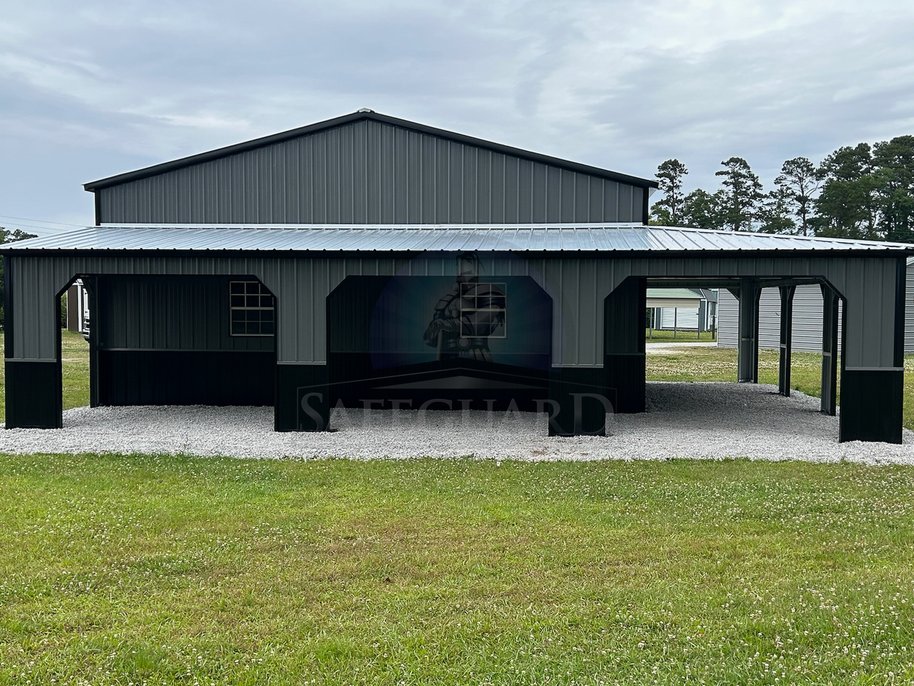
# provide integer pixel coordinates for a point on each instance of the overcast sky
(90, 89)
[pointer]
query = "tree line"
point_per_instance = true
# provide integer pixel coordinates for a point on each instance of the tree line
(863, 191)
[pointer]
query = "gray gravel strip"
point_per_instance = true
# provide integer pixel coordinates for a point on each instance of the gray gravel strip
(684, 420)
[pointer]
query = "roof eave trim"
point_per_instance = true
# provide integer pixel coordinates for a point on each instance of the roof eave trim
(620, 253)
(263, 141)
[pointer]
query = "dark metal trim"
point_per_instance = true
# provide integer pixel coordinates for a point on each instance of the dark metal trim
(8, 324)
(58, 396)
(829, 401)
(363, 116)
(871, 406)
(34, 394)
(786, 343)
(92, 286)
(97, 200)
(900, 287)
(755, 330)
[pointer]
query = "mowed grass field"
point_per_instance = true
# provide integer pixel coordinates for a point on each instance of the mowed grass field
(155, 570)
(663, 335)
(177, 570)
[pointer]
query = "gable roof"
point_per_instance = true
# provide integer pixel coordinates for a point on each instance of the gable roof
(363, 115)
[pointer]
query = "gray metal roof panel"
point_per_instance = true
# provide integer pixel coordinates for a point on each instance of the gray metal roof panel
(442, 238)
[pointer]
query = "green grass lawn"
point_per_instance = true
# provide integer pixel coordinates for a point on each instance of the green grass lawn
(678, 336)
(175, 570)
(719, 364)
(164, 570)
(75, 368)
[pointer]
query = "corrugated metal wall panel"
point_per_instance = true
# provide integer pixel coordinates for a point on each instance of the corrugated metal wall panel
(370, 172)
(909, 311)
(578, 286)
(727, 320)
(807, 318)
(168, 313)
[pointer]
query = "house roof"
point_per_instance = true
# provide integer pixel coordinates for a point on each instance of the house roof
(363, 115)
(437, 238)
(674, 294)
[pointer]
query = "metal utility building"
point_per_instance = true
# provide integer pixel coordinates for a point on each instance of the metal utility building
(685, 309)
(368, 258)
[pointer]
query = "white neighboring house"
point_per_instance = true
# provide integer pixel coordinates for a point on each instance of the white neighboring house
(78, 308)
(681, 309)
(807, 318)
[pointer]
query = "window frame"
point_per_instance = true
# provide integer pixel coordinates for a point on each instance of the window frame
(501, 286)
(252, 291)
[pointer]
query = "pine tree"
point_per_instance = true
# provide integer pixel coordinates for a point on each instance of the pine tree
(800, 180)
(774, 211)
(742, 192)
(893, 163)
(847, 206)
(669, 209)
(702, 210)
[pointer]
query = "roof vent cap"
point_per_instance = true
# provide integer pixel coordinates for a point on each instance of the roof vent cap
(366, 110)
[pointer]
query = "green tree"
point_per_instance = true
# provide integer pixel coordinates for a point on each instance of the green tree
(703, 210)
(741, 194)
(800, 180)
(847, 206)
(8, 236)
(893, 163)
(669, 209)
(774, 212)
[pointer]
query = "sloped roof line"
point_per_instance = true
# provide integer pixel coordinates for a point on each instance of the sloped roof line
(363, 115)
(405, 238)
(728, 238)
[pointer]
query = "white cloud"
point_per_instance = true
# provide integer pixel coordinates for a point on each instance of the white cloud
(620, 84)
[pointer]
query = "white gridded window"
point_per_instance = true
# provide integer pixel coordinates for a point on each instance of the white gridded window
(483, 310)
(252, 308)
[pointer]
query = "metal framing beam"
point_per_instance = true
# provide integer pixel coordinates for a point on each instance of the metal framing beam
(829, 351)
(749, 294)
(786, 347)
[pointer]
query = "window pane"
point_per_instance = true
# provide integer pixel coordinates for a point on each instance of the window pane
(252, 309)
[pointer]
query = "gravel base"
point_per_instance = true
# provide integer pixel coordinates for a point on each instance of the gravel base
(684, 420)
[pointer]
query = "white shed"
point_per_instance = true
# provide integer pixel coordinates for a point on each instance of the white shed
(683, 309)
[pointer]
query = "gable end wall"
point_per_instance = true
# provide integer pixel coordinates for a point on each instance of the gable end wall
(373, 173)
